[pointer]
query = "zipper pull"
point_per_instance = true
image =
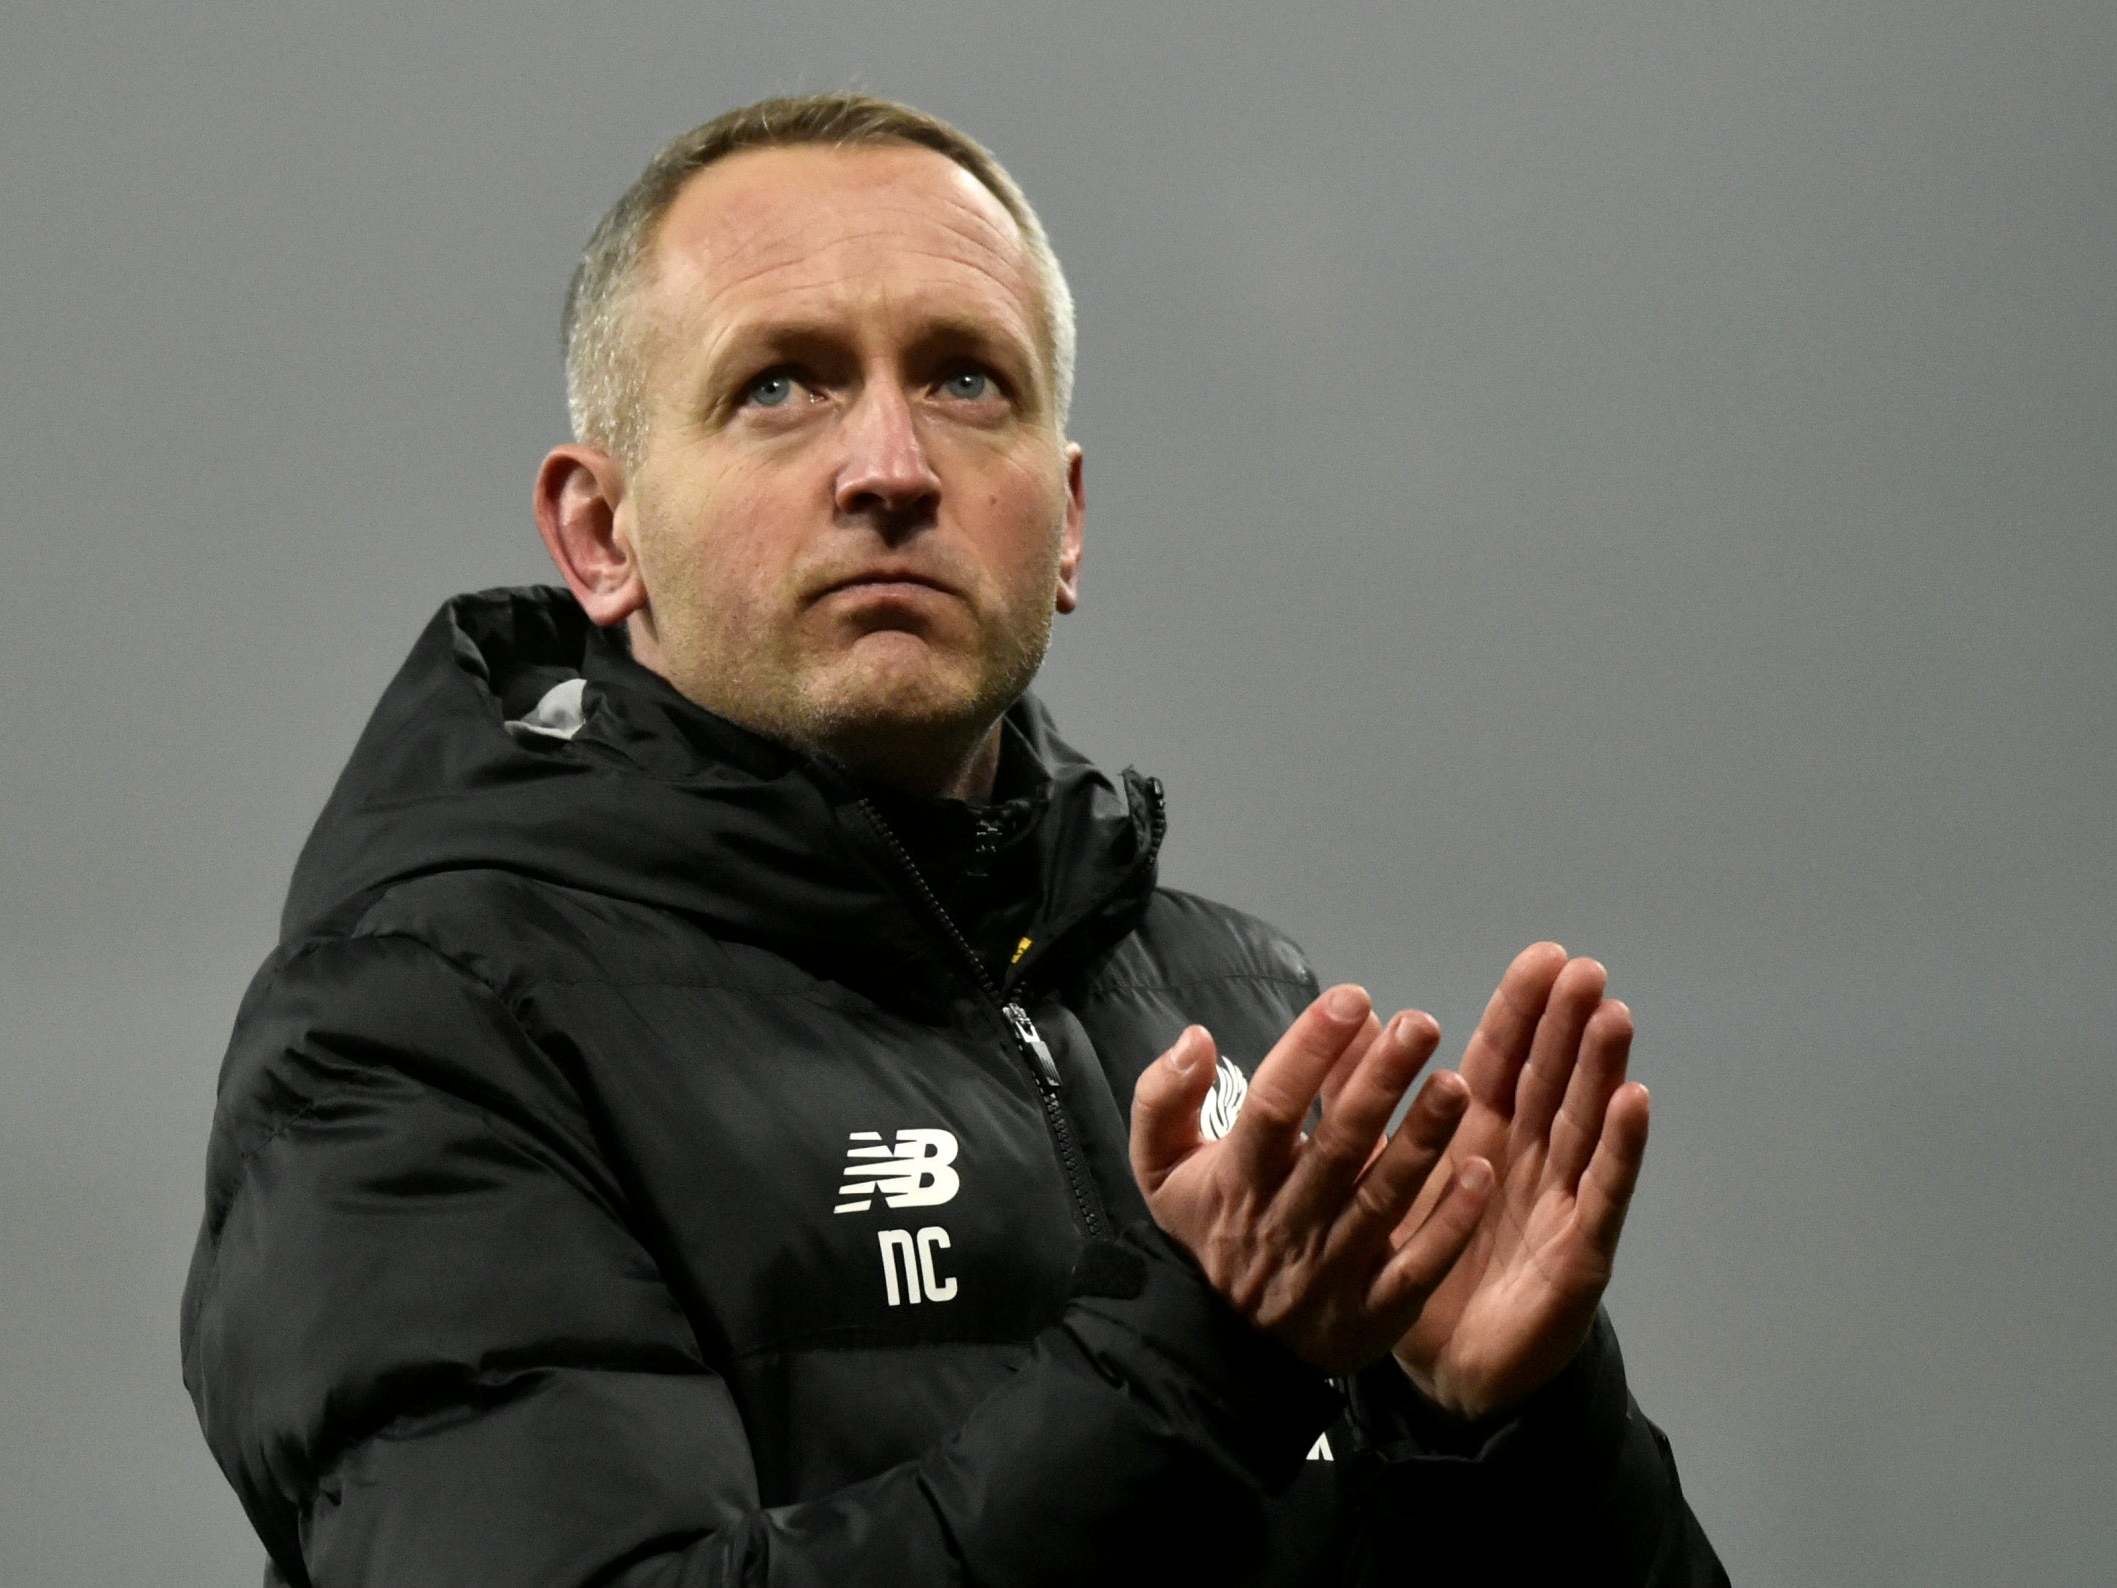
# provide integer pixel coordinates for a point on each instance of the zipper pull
(1025, 1033)
(984, 845)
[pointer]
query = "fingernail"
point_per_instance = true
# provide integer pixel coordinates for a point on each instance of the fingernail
(1346, 1003)
(1183, 1058)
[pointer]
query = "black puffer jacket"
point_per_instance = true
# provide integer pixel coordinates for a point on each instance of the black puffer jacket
(624, 1172)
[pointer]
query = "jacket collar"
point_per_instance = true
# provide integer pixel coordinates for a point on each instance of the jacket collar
(638, 793)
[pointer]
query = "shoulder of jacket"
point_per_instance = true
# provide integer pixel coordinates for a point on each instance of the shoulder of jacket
(1184, 939)
(374, 1023)
(467, 909)
(328, 1007)
(514, 932)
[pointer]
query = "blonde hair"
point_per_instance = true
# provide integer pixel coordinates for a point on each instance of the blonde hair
(605, 363)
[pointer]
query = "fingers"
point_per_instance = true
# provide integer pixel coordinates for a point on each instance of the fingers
(1613, 1173)
(1349, 1060)
(1604, 1048)
(1398, 1174)
(1165, 1103)
(1353, 1122)
(1574, 996)
(1500, 1044)
(1287, 1081)
(1422, 1261)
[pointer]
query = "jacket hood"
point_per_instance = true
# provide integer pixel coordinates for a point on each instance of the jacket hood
(519, 737)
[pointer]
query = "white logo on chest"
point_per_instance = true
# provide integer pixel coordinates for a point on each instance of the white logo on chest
(914, 1171)
(1216, 1116)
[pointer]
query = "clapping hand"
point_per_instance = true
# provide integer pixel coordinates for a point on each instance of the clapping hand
(1332, 1244)
(1550, 1110)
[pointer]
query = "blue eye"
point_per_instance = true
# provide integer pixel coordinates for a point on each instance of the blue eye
(969, 384)
(770, 390)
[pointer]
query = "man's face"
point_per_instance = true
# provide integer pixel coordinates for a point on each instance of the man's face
(854, 513)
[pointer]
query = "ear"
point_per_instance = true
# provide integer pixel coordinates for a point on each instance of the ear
(1069, 584)
(585, 521)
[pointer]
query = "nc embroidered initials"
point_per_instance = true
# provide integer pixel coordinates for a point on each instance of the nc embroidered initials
(913, 1257)
(912, 1173)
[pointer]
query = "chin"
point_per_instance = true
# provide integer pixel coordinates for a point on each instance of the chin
(900, 707)
(897, 705)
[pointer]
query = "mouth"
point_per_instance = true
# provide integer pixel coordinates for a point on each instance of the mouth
(902, 583)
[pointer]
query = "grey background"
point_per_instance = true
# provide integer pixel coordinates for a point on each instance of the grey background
(1635, 473)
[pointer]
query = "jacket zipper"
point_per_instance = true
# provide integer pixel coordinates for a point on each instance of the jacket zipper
(1027, 1039)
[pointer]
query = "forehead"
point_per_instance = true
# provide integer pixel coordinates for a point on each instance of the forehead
(813, 230)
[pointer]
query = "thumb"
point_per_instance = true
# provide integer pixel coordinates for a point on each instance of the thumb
(1165, 1103)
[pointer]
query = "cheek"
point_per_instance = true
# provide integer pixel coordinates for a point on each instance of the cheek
(728, 534)
(1024, 499)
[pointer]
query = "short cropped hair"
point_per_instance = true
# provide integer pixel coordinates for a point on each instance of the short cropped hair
(603, 336)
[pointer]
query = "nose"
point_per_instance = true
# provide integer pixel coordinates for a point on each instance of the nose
(885, 471)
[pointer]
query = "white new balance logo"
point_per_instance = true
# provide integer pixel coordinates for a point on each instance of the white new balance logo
(913, 1173)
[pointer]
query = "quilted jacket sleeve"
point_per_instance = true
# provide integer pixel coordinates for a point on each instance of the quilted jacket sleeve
(1576, 1485)
(426, 1346)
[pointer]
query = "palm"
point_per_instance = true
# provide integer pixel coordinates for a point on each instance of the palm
(1550, 1110)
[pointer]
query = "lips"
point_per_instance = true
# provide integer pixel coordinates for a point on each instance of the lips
(886, 577)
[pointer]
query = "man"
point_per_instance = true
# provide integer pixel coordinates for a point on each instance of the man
(731, 1103)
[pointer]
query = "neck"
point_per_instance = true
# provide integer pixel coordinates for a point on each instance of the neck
(962, 775)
